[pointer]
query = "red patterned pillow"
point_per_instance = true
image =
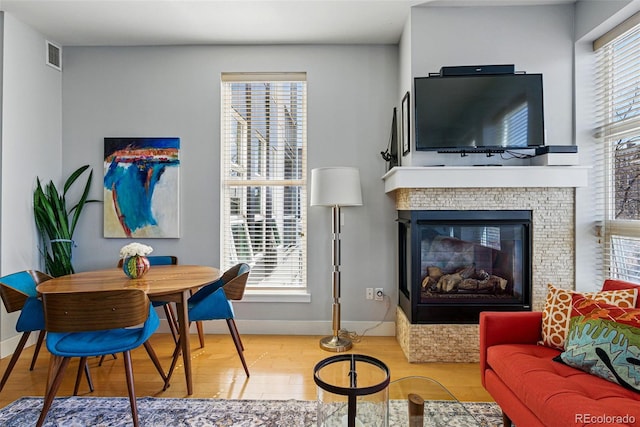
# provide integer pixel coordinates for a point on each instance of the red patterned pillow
(557, 311)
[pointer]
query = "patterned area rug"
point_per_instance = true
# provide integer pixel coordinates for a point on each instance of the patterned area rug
(155, 412)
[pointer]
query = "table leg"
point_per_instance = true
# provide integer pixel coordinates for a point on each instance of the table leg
(183, 323)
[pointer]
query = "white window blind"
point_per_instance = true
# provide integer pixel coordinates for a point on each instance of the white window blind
(264, 187)
(617, 84)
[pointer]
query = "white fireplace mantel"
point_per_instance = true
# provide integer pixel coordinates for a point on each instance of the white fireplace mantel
(485, 177)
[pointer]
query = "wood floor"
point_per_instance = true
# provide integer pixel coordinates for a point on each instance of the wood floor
(281, 368)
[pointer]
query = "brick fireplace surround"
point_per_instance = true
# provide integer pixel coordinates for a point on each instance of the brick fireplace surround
(547, 191)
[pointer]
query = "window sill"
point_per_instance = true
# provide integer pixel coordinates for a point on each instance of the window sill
(289, 296)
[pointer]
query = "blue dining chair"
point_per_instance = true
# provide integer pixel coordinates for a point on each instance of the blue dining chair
(213, 302)
(86, 324)
(18, 292)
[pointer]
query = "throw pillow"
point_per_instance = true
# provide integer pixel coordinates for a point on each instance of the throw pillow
(557, 311)
(615, 284)
(604, 340)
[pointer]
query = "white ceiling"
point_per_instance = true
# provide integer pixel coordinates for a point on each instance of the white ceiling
(176, 22)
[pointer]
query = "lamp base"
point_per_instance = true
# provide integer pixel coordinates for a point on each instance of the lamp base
(335, 344)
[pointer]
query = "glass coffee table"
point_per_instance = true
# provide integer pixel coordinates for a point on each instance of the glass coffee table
(421, 402)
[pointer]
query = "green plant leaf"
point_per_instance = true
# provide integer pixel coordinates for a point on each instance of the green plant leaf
(77, 209)
(72, 178)
(53, 221)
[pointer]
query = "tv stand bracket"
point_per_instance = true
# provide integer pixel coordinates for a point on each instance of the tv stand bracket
(465, 152)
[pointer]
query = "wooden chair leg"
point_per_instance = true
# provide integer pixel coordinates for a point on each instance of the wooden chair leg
(103, 356)
(132, 393)
(200, 333)
(174, 362)
(14, 358)
(53, 388)
(232, 322)
(236, 340)
(41, 336)
(154, 359)
(172, 321)
(81, 366)
(87, 374)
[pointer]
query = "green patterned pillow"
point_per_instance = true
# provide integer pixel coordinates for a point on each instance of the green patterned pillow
(604, 340)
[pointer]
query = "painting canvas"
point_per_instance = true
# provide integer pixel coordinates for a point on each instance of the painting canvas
(141, 187)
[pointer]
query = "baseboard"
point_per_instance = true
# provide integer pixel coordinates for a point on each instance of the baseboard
(292, 327)
(8, 346)
(253, 327)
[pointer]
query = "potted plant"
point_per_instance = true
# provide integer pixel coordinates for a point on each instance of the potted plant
(56, 223)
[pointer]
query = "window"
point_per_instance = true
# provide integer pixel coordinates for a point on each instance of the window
(618, 130)
(264, 188)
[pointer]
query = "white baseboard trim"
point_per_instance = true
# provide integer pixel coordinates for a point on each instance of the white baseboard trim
(8, 346)
(292, 327)
(252, 327)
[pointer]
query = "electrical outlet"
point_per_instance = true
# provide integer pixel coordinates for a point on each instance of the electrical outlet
(369, 293)
(379, 296)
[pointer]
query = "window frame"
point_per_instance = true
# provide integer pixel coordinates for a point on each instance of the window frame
(618, 235)
(275, 199)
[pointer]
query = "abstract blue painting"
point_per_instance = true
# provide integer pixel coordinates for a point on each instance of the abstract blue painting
(141, 187)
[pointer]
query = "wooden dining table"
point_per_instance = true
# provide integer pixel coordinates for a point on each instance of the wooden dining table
(168, 283)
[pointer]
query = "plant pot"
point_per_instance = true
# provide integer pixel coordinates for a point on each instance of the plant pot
(136, 266)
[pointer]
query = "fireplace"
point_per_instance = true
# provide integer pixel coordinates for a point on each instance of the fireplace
(548, 192)
(455, 264)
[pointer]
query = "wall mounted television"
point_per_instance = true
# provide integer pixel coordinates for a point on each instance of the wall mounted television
(478, 113)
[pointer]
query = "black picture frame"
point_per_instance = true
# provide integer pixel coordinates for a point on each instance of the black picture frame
(405, 125)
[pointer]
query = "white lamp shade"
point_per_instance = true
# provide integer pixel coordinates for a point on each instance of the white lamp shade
(335, 186)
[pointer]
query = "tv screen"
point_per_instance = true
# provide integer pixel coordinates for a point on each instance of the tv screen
(479, 112)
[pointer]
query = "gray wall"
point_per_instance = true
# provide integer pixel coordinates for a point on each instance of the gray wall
(31, 132)
(175, 91)
(600, 15)
(537, 39)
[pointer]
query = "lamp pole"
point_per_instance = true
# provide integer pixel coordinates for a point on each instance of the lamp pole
(335, 343)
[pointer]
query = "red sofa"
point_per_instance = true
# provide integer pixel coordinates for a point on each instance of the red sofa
(533, 390)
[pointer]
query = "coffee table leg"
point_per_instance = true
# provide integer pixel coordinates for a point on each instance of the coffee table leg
(183, 322)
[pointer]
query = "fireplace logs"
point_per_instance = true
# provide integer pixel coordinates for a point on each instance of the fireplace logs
(465, 280)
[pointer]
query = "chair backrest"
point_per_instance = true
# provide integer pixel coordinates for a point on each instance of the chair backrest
(235, 281)
(157, 260)
(94, 311)
(17, 287)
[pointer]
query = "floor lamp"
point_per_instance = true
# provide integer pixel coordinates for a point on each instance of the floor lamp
(335, 187)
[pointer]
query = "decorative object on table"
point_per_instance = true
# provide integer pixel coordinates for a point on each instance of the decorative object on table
(359, 381)
(135, 263)
(406, 125)
(56, 223)
(336, 187)
(153, 411)
(141, 183)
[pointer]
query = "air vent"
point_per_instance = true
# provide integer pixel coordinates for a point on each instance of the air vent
(54, 55)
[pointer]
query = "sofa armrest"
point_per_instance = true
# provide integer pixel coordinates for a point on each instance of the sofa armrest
(507, 327)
